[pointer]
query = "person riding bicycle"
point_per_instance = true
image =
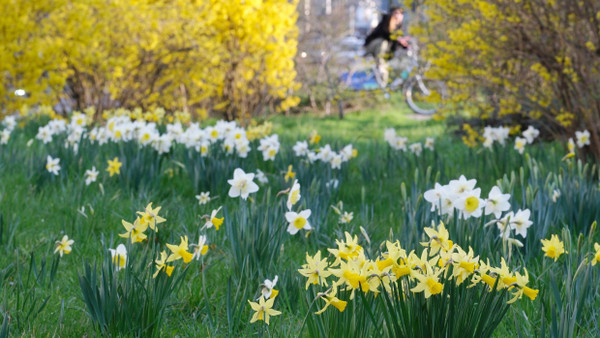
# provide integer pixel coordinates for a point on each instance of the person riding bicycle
(380, 42)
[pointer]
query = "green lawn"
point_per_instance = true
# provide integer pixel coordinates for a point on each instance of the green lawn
(41, 295)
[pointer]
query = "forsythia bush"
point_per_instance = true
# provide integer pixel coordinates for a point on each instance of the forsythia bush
(210, 55)
(537, 59)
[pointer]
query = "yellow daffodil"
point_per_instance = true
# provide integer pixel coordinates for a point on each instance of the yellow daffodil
(213, 220)
(180, 251)
(596, 255)
(293, 195)
(64, 245)
(314, 137)
(201, 248)
(135, 231)
(161, 265)
(553, 247)
(520, 288)
(264, 310)
(347, 249)
(331, 299)
(464, 264)
(315, 270)
(438, 240)
(428, 282)
(150, 218)
(289, 175)
(119, 256)
(114, 166)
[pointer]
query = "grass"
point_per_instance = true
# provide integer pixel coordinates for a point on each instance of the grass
(359, 126)
(382, 187)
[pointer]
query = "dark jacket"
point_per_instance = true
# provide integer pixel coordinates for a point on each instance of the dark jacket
(383, 31)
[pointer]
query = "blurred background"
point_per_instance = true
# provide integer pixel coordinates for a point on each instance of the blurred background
(503, 62)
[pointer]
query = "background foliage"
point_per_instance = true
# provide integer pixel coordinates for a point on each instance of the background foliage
(534, 60)
(232, 57)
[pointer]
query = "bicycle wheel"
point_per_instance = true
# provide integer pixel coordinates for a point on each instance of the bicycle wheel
(424, 96)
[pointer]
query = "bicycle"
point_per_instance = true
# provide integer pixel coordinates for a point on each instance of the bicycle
(422, 95)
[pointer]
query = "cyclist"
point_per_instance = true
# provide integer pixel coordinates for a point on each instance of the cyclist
(380, 44)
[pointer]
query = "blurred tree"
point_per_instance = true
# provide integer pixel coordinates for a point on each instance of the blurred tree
(232, 57)
(533, 59)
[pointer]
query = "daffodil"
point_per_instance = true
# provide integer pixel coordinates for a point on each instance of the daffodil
(596, 255)
(119, 256)
(315, 270)
(264, 310)
(530, 134)
(314, 137)
(553, 247)
(469, 203)
(289, 173)
(354, 273)
(497, 202)
(64, 245)
(180, 251)
(91, 175)
(520, 222)
(150, 218)
(520, 144)
(346, 217)
(293, 195)
(201, 248)
(506, 277)
(464, 264)
(348, 249)
(428, 282)
(331, 299)
(114, 167)
(520, 288)
(298, 221)
(242, 184)
(268, 288)
(213, 220)
(203, 198)
(583, 138)
(161, 264)
(438, 240)
(135, 231)
(52, 165)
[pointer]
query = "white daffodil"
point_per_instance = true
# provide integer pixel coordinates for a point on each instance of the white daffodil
(52, 165)
(91, 175)
(298, 221)
(530, 134)
(301, 148)
(497, 202)
(293, 195)
(470, 204)
(346, 217)
(242, 184)
(203, 198)
(416, 148)
(201, 248)
(399, 143)
(429, 142)
(261, 177)
(583, 138)
(555, 195)
(268, 288)
(213, 220)
(119, 256)
(461, 186)
(435, 196)
(520, 222)
(520, 144)
(336, 161)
